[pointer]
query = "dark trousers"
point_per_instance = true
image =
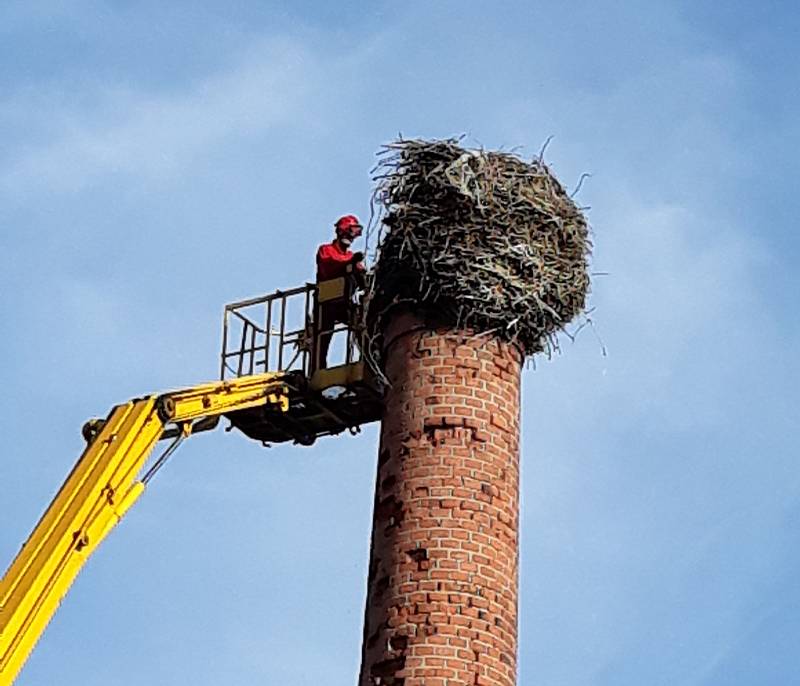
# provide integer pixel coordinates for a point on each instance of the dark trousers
(330, 314)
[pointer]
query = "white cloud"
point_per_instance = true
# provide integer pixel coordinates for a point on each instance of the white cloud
(156, 136)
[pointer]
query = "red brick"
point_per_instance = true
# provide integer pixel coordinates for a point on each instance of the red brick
(450, 437)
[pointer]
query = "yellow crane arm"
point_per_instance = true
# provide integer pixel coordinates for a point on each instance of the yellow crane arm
(96, 495)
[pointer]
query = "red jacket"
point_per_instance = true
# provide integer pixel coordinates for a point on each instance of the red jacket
(332, 261)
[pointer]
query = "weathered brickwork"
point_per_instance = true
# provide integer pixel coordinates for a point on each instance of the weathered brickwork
(442, 590)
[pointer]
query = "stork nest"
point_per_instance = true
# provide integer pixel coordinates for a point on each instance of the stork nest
(483, 241)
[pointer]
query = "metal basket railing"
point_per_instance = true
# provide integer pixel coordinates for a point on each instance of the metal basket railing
(279, 332)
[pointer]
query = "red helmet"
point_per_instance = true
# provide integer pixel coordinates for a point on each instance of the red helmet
(348, 226)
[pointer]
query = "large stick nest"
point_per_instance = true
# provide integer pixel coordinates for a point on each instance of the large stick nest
(483, 241)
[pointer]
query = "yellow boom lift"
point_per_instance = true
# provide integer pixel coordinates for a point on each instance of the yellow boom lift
(272, 388)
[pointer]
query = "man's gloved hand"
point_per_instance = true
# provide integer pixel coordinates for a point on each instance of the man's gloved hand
(357, 257)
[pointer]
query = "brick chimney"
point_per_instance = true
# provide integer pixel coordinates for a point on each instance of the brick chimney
(441, 603)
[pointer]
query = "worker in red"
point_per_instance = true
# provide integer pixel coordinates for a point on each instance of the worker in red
(334, 260)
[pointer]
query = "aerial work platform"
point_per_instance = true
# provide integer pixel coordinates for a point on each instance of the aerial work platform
(275, 387)
(280, 333)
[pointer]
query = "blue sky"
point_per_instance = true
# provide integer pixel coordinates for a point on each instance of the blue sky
(157, 162)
